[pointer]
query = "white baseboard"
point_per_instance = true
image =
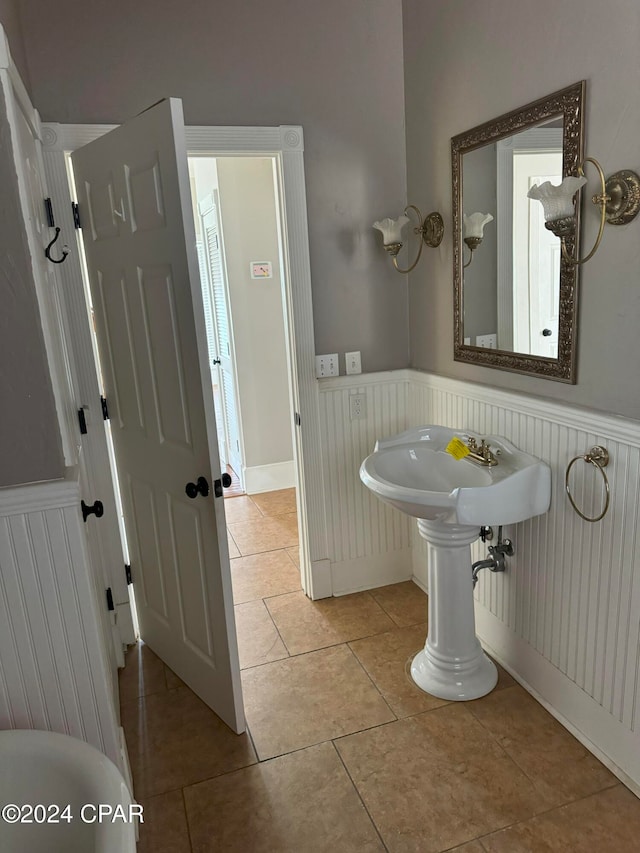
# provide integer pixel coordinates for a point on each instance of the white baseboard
(268, 478)
(321, 580)
(598, 730)
(371, 572)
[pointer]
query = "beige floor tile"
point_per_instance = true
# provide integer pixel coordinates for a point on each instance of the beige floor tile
(241, 508)
(387, 658)
(267, 534)
(165, 825)
(504, 679)
(142, 675)
(277, 502)
(294, 553)
(305, 625)
(559, 766)
(175, 740)
(607, 822)
(436, 780)
(233, 548)
(405, 603)
(299, 802)
(258, 638)
(263, 575)
(308, 699)
(471, 847)
(172, 679)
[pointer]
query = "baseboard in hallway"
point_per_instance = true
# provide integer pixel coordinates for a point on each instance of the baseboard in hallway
(235, 488)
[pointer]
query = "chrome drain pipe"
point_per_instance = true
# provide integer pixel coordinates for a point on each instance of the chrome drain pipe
(496, 560)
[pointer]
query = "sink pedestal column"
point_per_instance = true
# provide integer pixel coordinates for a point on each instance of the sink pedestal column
(452, 664)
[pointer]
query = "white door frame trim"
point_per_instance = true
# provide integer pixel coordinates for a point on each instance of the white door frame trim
(286, 144)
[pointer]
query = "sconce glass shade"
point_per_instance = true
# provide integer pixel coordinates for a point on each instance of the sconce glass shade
(391, 229)
(557, 201)
(474, 224)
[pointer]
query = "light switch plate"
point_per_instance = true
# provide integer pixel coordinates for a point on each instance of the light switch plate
(352, 362)
(327, 365)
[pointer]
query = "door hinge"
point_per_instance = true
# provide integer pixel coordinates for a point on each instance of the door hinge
(110, 604)
(127, 574)
(76, 215)
(82, 421)
(48, 209)
(105, 408)
(297, 419)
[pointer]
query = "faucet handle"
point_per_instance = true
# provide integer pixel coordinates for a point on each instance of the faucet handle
(471, 442)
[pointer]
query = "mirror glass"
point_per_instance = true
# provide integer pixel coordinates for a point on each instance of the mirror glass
(515, 302)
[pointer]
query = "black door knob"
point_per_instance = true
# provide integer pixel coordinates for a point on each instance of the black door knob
(225, 480)
(200, 488)
(96, 509)
(547, 333)
(215, 361)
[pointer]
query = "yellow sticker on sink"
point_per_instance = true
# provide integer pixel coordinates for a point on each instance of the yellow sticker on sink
(457, 448)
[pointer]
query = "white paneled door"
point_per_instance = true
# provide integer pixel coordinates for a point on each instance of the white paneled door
(137, 225)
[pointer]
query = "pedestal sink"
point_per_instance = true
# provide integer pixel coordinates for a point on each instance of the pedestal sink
(451, 499)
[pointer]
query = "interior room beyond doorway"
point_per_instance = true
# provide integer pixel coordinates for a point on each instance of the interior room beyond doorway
(235, 206)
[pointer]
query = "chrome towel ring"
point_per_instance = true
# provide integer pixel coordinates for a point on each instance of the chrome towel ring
(598, 457)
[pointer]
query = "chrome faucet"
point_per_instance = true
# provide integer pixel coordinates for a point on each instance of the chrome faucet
(481, 453)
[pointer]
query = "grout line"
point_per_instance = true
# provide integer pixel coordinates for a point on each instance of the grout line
(356, 789)
(275, 626)
(186, 818)
(256, 553)
(537, 816)
(330, 739)
(517, 764)
(253, 743)
(291, 751)
(382, 607)
(360, 664)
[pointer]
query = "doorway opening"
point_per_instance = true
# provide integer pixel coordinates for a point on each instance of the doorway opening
(236, 211)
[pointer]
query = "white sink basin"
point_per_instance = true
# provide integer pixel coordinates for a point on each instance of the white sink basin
(451, 499)
(413, 472)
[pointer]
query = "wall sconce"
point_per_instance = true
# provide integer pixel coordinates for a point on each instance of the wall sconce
(431, 229)
(474, 231)
(619, 202)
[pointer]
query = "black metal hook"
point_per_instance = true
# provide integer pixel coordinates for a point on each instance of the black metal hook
(65, 250)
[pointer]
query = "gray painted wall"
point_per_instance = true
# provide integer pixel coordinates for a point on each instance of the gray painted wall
(30, 448)
(10, 20)
(333, 67)
(466, 63)
(250, 233)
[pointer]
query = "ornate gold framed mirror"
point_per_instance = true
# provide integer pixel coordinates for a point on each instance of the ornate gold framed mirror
(515, 300)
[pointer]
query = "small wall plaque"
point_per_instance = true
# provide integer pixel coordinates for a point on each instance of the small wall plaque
(261, 269)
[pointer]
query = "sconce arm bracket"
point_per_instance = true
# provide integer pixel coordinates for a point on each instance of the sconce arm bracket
(431, 229)
(623, 192)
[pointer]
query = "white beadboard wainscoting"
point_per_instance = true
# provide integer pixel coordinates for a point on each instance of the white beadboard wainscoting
(565, 617)
(55, 672)
(369, 543)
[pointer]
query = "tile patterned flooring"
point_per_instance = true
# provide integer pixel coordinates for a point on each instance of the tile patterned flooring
(343, 753)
